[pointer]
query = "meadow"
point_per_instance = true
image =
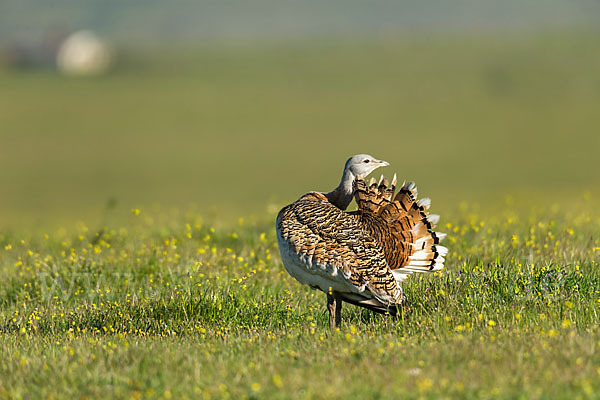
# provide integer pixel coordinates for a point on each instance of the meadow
(137, 248)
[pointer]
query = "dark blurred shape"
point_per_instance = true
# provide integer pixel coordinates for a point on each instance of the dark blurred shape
(80, 53)
(498, 80)
(111, 203)
(33, 54)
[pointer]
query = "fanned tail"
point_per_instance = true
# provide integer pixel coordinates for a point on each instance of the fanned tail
(402, 225)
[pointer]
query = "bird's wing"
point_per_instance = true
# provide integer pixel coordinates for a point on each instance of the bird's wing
(401, 226)
(325, 247)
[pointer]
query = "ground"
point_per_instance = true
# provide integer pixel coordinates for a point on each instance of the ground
(187, 310)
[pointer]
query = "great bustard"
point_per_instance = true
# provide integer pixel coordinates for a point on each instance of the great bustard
(359, 257)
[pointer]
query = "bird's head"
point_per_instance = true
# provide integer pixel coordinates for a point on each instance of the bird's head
(362, 165)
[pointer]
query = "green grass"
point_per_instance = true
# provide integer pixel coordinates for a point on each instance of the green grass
(191, 301)
(181, 309)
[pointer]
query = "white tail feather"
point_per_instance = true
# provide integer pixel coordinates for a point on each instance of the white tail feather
(441, 250)
(419, 243)
(419, 263)
(434, 218)
(413, 188)
(425, 203)
(401, 274)
(421, 255)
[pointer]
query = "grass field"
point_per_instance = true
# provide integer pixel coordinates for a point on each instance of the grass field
(114, 286)
(180, 309)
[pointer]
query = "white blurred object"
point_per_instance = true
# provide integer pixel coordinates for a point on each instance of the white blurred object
(84, 54)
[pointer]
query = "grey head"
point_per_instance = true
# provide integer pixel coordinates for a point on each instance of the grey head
(362, 165)
(358, 166)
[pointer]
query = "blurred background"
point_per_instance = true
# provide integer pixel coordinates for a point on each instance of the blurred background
(239, 107)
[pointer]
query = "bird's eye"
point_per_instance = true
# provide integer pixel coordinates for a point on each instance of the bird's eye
(366, 161)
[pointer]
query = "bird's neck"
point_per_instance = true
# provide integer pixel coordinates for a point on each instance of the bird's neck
(341, 196)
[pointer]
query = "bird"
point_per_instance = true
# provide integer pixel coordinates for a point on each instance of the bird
(360, 257)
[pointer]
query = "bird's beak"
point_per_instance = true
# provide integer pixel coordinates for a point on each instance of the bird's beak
(383, 163)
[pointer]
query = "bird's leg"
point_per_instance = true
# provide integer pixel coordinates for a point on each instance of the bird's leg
(338, 310)
(331, 309)
(334, 306)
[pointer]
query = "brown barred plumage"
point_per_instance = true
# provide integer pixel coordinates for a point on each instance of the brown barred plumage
(361, 256)
(401, 226)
